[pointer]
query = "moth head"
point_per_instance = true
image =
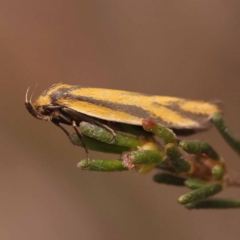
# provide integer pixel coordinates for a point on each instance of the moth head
(37, 112)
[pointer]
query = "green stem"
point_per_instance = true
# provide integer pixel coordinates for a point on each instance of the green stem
(200, 194)
(102, 165)
(104, 135)
(180, 165)
(214, 204)
(143, 157)
(169, 179)
(194, 183)
(198, 147)
(226, 133)
(96, 145)
(164, 133)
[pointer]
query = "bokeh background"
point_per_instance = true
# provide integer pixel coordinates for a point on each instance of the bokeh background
(186, 49)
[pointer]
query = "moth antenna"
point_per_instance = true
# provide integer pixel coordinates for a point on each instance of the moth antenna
(26, 97)
(30, 100)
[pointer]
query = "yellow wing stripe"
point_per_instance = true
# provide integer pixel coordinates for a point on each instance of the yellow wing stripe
(100, 111)
(164, 114)
(170, 116)
(123, 97)
(148, 103)
(198, 107)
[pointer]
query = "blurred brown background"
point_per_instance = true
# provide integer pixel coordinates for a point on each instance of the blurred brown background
(179, 48)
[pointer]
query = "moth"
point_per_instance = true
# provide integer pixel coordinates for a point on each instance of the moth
(67, 104)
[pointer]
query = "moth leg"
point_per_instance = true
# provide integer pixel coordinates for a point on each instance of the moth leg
(107, 128)
(61, 127)
(104, 135)
(56, 123)
(59, 117)
(79, 117)
(79, 134)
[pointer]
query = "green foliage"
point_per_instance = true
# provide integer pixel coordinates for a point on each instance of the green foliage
(193, 164)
